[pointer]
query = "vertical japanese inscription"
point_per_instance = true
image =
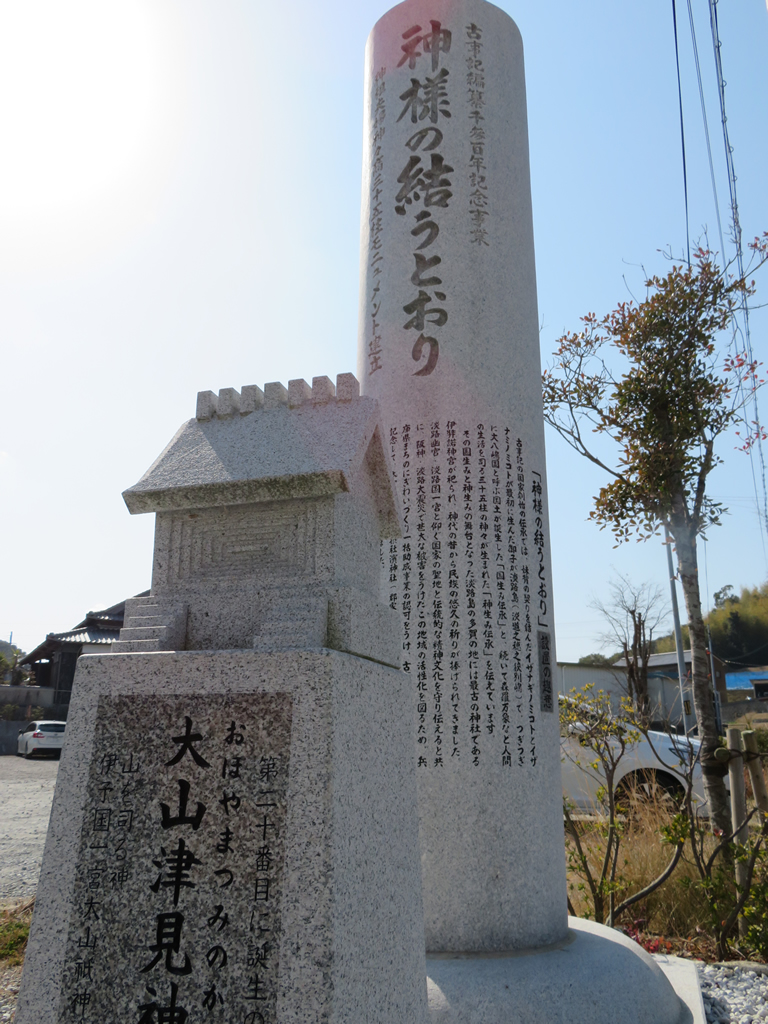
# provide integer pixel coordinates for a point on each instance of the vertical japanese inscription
(179, 876)
(472, 568)
(425, 184)
(478, 182)
(375, 226)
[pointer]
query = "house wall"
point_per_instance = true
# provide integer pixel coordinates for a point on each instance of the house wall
(663, 693)
(610, 680)
(27, 696)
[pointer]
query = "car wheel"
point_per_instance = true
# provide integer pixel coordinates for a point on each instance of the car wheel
(648, 788)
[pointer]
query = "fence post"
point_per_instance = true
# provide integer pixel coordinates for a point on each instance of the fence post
(755, 766)
(738, 807)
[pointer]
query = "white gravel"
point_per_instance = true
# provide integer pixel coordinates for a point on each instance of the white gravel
(734, 995)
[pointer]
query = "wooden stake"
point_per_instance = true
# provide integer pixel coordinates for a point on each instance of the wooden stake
(756, 772)
(738, 807)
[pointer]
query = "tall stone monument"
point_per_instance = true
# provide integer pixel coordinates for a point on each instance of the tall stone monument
(234, 836)
(448, 345)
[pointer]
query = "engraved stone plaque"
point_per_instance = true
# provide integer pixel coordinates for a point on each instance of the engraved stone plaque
(176, 904)
(240, 542)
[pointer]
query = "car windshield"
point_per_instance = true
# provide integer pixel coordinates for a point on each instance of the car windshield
(52, 727)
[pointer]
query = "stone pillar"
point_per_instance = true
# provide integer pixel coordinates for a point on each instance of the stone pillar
(448, 344)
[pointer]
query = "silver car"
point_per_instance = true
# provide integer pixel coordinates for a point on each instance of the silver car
(41, 738)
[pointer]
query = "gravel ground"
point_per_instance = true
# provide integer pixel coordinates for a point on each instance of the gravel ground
(26, 793)
(732, 995)
(10, 979)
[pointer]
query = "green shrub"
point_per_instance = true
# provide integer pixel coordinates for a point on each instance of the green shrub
(13, 940)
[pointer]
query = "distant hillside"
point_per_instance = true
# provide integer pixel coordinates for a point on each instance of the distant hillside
(739, 626)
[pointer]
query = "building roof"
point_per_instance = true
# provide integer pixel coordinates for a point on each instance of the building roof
(86, 636)
(744, 679)
(667, 658)
(98, 627)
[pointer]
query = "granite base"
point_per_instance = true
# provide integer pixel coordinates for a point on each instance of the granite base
(596, 976)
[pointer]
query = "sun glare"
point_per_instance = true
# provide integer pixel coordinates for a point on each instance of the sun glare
(84, 95)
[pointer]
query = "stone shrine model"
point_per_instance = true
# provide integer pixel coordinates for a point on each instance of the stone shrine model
(448, 344)
(234, 835)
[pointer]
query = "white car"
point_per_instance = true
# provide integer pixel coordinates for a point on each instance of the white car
(41, 738)
(638, 768)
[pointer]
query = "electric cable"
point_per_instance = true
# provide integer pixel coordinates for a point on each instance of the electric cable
(682, 132)
(736, 226)
(706, 132)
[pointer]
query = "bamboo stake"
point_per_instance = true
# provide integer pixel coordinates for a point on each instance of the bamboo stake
(738, 807)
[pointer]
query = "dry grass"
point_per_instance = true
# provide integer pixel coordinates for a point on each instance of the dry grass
(677, 908)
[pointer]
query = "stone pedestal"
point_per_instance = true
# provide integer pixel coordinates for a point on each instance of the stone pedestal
(305, 843)
(593, 976)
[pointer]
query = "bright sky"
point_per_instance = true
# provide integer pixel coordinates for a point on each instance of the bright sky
(179, 206)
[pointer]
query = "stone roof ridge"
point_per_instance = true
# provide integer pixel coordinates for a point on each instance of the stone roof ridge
(272, 445)
(251, 398)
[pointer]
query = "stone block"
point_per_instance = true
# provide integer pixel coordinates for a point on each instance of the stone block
(275, 395)
(290, 619)
(322, 390)
(360, 624)
(251, 398)
(229, 402)
(280, 454)
(258, 807)
(207, 404)
(347, 387)
(299, 392)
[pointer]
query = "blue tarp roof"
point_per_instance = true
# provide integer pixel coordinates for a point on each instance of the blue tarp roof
(744, 680)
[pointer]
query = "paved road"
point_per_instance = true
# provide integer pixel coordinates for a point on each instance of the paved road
(26, 793)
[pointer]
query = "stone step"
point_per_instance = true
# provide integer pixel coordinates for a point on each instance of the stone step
(146, 620)
(133, 646)
(152, 623)
(151, 606)
(156, 632)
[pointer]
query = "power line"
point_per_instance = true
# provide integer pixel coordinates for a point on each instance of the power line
(706, 132)
(682, 132)
(762, 515)
(736, 227)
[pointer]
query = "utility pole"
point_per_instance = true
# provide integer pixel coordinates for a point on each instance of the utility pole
(678, 630)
